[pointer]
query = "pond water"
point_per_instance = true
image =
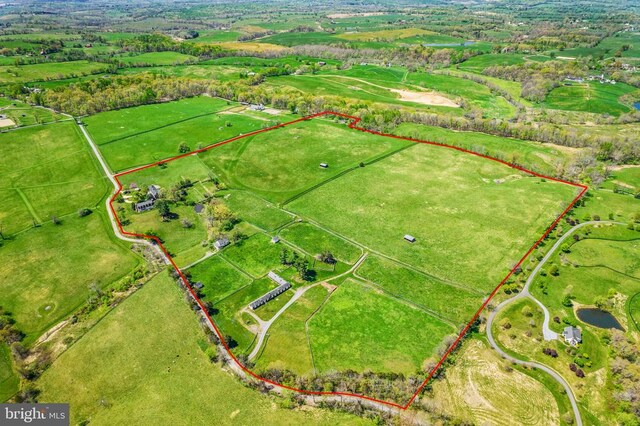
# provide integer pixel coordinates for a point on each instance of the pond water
(466, 43)
(636, 105)
(598, 318)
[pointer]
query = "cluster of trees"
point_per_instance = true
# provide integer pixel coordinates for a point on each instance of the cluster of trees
(9, 333)
(300, 263)
(162, 43)
(103, 94)
(625, 368)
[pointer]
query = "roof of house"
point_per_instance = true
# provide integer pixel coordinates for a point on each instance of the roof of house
(572, 333)
(275, 239)
(221, 242)
(154, 191)
(198, 208)
(198, 285)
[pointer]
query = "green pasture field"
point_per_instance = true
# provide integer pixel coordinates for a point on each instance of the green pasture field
(536, 156)
(157, 58)
(168, 174)
(623, 207)
(314, 240)
(627, 177)
(216, 36)
(256, 255)
(282, 163)
(46, 171)
(411, 191)
(360, 328)
(296, 39)
(351, 88)
(257, 63)
(479, 63)
(46, 275)
(220, 279)
(24, 114)
(198, 71)
(455, 304)
(141, 342)
(178, 240)
(126, 143)
(256, 211)
(608, 47)
(9, 381)
(591, 96)
(111, 125)
(373, 73)
(287, 346)
(477, 95)
(48, 71)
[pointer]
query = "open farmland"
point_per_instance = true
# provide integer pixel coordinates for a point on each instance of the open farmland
(375, 190)
(167, 353)
(135, 136)
(47, 175)
(592, 96)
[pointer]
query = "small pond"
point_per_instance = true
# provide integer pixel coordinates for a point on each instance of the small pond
(636, 105)
(598, 318)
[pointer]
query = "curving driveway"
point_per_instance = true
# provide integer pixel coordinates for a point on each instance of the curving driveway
(546, 331)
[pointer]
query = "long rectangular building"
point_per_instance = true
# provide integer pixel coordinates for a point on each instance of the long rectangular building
(283, 286)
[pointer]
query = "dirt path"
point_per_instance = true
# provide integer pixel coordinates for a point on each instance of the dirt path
(116, 187)
(424, 96)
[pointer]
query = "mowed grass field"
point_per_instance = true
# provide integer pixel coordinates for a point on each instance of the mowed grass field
(360, 328)
(9, 381)
(48, 71)
(480, 388)
(140, 356)
(281, 163)
(45, 274)
(541, 157)
(46, 171)
(593, 96)
(157, 58)
(473, 218)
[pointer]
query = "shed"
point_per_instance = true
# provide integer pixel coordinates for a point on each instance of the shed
(198, 208)
(198, 285)
(410, 238)
(324, 165)
(275, 239)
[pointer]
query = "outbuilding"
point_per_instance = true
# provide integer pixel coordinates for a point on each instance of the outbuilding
(410, 238)
(275, 239)
(324, 165)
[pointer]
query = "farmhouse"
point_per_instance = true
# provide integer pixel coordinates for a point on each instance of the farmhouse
(572, 335)
(152, 195)
(410, 238)
(221, 243)
(256, 107)
(283, 285)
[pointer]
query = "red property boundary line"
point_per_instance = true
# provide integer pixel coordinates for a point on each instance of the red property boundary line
(352, 125)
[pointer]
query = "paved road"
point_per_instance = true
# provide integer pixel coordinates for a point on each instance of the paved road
(116, 186)
(547, 332)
